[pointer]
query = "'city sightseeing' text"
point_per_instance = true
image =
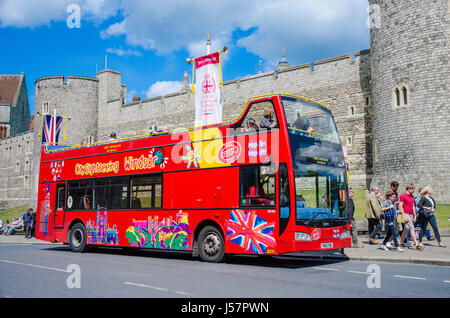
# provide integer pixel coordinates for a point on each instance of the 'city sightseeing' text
(96, 168)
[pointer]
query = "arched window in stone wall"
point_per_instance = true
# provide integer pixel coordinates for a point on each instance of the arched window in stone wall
(45, 107)
(400, 96)
(405, 95)
(396, 97)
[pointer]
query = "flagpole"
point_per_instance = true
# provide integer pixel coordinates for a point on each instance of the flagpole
(54, 127)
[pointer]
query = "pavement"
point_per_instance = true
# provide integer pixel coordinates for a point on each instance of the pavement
(431, 255)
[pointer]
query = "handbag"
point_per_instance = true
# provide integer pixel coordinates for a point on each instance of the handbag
(401, 217)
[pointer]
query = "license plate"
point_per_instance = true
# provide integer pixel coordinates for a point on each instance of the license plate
(326, 245)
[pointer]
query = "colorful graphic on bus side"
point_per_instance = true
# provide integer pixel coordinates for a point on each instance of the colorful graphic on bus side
(99, 233)
(250, 231)
(167, 234)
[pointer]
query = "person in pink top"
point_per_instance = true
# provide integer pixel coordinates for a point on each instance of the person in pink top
(407, 202)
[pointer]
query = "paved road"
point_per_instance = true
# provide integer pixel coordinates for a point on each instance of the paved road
(42, 271)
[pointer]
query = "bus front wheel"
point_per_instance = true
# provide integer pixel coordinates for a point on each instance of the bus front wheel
(211, 245)
(77, 238)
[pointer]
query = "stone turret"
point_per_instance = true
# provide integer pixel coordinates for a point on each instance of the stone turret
(283, 64)
(410, 94)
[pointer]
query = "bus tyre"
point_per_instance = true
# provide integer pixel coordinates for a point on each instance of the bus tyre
(211, 245)
(77, 238)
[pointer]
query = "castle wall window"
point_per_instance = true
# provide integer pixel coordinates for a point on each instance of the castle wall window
(400, 96)
(349, 141)
(367, 101)
(26, 181)
(351, 110)
(405, 95)
(45, 107)
(397, 97)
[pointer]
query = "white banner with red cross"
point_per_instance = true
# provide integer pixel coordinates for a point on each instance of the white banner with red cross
(208, 90)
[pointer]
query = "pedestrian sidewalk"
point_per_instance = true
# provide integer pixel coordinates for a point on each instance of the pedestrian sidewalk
(431, 255)
(20, 239)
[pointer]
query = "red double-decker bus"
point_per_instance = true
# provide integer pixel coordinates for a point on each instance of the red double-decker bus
(270, 182)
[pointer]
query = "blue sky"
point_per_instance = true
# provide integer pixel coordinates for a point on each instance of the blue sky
(149, 41)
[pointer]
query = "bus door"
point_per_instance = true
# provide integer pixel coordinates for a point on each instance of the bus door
(59, 206)
(44, 220)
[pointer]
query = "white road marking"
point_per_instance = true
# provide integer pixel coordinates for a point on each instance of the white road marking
(409, 277)
(446, 281)
(327, 269)
(33, 265)
(156, 288)
(355, 272)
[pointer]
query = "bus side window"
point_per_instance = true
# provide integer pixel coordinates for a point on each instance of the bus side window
(146, 192)
(257, 186)
(79, 196)
(60, 196)
(259, 116)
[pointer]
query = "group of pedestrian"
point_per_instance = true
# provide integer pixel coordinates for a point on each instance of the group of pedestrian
(27, 221)
(401, 216)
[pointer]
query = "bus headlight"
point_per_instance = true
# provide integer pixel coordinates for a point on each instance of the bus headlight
(345, 234)
(300, 236)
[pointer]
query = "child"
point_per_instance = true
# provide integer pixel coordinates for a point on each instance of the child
(389, 208)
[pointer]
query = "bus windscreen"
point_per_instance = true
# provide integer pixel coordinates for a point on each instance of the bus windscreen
(306, 118)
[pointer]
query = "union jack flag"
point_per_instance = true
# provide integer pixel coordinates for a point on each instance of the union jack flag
(51, 128)
(250, 231)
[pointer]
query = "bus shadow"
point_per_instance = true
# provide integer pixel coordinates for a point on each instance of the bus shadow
(296, 261)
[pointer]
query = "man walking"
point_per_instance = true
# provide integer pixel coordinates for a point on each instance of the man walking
(355, 242)
(27, 220)
(409, 211)
(373, 215)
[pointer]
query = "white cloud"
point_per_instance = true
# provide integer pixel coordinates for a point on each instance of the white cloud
(295, 25)
(122, 52)
(302, 25)
(163, 88)
(130, 94)
(115, 29)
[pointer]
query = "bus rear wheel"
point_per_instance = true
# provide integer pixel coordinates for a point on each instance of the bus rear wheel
(77, 238)
(211, 245)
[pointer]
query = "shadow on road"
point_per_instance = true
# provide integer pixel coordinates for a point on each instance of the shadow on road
(294, 261)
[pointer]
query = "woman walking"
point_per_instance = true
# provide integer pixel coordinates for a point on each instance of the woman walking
(427, 208)
(389, 209)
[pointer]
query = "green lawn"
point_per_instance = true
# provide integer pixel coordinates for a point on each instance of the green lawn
(10, 214)
(442, 211)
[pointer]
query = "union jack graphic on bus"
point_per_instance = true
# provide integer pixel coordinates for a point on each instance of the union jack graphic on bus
(250, 231)
(51, 128)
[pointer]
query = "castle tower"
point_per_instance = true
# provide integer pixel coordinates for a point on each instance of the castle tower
(75, 97)
(410, 94)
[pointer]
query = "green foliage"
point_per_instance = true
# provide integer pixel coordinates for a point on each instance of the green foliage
(10, 214)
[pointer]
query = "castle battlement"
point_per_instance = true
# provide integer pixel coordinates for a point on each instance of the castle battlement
(63, 80)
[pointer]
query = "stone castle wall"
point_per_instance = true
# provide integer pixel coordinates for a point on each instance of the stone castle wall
(410, 50)
(16, 169)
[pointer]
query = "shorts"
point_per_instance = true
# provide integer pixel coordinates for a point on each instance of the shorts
(409, 224)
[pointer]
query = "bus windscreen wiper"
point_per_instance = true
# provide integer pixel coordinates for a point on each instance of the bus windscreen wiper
(315, 215)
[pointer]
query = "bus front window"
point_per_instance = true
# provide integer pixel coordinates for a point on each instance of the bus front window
(306, 118)
(320, 193)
